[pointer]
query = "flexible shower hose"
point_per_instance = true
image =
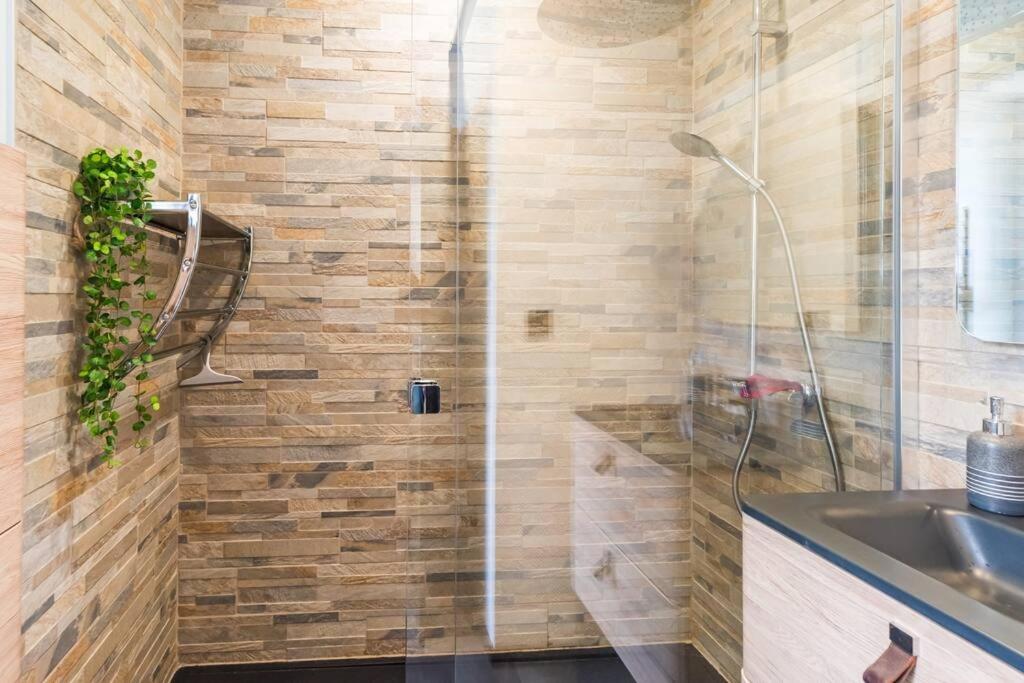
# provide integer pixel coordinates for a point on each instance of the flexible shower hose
(837, 468)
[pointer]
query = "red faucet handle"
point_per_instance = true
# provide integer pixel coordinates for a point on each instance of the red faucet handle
(760, 386)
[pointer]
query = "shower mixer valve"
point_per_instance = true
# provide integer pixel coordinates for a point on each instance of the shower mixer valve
(761, 386)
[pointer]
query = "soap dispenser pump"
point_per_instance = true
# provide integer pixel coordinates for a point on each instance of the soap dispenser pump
(995, 465)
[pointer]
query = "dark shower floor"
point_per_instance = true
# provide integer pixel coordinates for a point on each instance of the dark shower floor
(600, 665)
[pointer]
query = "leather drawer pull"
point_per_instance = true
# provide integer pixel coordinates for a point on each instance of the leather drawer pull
(894, 666)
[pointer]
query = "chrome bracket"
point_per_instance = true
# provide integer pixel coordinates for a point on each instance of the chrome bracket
(775, 29)
(188, 252)
(206, 375)
(184, 220)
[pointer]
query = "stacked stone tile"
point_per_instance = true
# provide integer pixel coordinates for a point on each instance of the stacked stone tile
(317, 519)
(99, 572)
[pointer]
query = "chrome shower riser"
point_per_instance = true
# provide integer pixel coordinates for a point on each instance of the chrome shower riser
(759, 28)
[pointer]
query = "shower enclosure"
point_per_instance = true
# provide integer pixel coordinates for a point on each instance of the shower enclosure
(595, 362)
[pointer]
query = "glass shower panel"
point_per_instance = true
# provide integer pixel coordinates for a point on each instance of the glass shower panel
(574, 339)
(825, 130)
(602, 311)
(428, 495)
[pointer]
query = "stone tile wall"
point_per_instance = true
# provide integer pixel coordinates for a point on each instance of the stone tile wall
(99, 577)
(12, 432)
(315, 509)
(317, 518)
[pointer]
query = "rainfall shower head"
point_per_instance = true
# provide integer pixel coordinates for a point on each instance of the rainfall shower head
(693, 145)
(609, 23)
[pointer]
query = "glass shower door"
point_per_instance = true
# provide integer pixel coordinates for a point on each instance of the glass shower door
(826, 158)
(429, 497)
(573, 350)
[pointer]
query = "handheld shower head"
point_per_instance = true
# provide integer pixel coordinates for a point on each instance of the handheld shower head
(694, 145)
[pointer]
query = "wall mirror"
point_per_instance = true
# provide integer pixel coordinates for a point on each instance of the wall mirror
(990, 170)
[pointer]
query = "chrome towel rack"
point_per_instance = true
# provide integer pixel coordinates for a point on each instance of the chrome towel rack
(191, 225)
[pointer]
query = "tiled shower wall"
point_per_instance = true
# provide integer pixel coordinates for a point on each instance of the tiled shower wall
(12, 368)
(315, 509)
(824, 138)
(99, 572)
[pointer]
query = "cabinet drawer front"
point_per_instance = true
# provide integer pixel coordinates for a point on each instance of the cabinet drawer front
(629, 607)
(631, 611)
(637, 504)
(804, 619)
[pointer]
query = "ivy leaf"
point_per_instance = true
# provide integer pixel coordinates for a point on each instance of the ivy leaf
(112, 189)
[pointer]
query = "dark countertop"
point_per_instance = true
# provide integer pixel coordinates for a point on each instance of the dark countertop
(800, 517)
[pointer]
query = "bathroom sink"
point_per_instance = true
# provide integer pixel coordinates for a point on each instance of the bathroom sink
(957, 565)
(968, 550)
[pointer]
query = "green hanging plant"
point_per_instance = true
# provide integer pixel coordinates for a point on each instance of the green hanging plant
(115, 200)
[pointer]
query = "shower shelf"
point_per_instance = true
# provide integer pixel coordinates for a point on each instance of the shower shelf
(191, 225)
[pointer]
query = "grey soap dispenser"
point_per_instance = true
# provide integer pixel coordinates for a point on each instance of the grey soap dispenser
(995, 465)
